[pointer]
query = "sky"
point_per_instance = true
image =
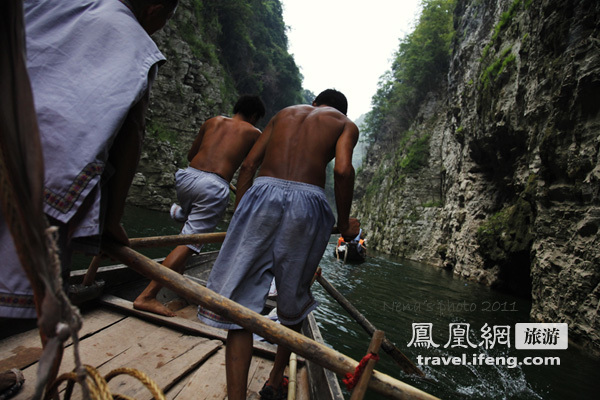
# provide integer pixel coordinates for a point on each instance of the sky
(347, 44)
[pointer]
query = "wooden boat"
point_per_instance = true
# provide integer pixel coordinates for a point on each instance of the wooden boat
(182, 356)
(177, 355)
(348, 252)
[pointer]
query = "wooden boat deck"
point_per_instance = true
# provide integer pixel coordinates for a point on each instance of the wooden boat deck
(182, 356)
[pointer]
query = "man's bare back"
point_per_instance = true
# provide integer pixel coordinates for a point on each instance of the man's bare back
(221, 145)
(302, 139)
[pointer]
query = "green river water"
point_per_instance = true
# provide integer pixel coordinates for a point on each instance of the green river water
(394, 294)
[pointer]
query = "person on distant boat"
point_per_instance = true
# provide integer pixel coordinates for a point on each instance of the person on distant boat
(362, 246)
(283, 211)
(359, 241)
(91, 64)
(341, 247)
(203, 188)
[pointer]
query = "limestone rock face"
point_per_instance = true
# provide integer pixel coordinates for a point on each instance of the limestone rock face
(153, 185)
(186, 92)
(510, 195)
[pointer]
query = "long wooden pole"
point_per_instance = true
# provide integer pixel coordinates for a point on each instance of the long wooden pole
(176, 240)
(156, 241)
(404, 362)
(276, 333)
(90, 274)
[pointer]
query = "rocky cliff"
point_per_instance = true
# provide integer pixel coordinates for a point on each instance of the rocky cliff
(187, 91)
(509, 193)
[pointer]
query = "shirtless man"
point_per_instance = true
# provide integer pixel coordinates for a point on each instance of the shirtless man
(203, 188)
(281, 226)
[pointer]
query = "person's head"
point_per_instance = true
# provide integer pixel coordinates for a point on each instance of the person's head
(250, 107)
(332, 98)
(153, 15)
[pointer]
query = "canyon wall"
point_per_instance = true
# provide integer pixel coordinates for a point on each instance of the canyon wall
(509, 195)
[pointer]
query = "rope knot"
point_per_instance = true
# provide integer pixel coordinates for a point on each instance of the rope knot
(352, 378)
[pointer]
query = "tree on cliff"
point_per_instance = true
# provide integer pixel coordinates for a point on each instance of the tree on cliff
(254, 48)
(420, 64)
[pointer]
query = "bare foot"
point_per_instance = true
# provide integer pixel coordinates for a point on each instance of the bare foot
(152, 305)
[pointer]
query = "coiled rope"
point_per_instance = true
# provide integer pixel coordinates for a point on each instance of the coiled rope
(98, 386)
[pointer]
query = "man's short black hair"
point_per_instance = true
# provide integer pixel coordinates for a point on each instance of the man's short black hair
(249, 106)
(169, 4)
(332, 98)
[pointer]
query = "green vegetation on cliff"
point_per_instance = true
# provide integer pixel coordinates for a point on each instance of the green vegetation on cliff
(248, 40)
(252, 42)
(507, 232)
(420, 64)
(494, 60)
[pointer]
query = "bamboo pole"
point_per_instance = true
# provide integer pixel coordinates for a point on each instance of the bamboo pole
(361, 388)
(404, 362)
(292, 383)
(275, 333)
(176, 240)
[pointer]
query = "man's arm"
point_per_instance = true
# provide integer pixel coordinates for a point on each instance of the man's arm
(343, 172)
(124, 156)
(251, 163)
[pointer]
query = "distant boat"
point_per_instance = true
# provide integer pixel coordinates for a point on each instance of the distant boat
(349, 252)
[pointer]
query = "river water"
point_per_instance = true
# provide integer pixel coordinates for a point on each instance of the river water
(394, 294)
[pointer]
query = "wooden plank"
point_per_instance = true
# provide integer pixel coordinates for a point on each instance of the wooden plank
(95, 349)
(22, 350)
(207, 382)
(303, 392)
(175, 322)
(183, 324)
(324, 383)
(258, 374)
(97, 320)
(165, 357)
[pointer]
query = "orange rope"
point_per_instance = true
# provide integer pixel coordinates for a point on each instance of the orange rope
(352, 378)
